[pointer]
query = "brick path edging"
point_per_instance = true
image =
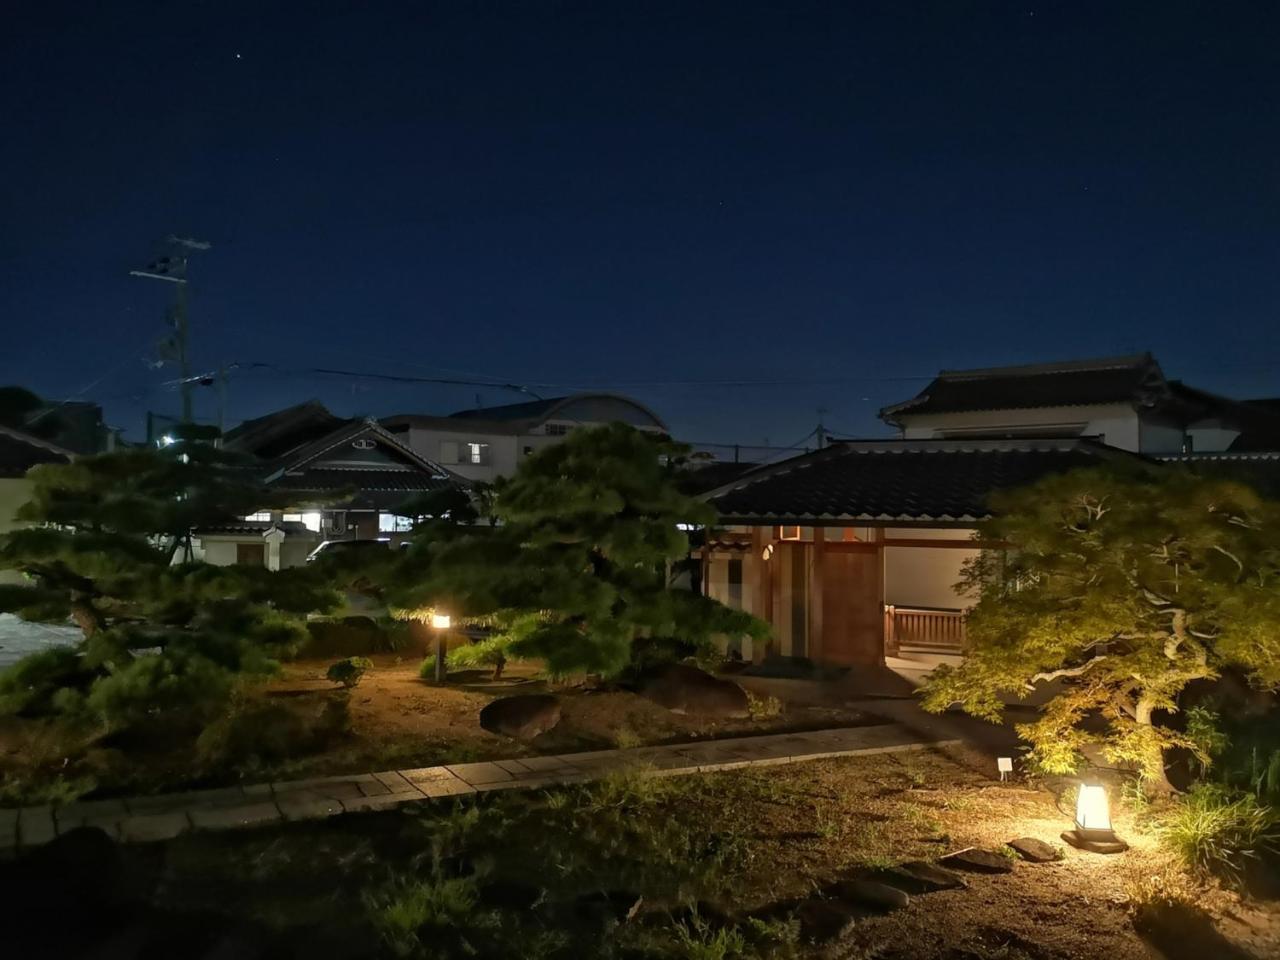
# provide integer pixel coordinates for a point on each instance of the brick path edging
(162, 817)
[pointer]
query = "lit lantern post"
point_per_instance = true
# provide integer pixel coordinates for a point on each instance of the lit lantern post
(1093, 830)
(440, 623)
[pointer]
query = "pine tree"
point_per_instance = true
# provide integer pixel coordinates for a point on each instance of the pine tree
(1127, 586)
(575, 566)
(110, 546)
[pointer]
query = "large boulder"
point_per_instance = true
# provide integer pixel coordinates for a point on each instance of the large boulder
(523, 717)
(685, 689)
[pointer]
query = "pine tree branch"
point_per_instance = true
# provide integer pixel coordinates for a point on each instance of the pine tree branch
(1064, 672)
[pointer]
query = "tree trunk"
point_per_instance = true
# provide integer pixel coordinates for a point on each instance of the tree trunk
(498, 665)
(86, 616)
(1155, 777)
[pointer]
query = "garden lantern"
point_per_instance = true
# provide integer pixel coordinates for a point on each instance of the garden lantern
(440, 622)
(1093, 830)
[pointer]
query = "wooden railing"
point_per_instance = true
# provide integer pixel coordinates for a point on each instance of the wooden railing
(932, 630)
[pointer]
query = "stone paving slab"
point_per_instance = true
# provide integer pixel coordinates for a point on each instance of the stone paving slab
(154, 818)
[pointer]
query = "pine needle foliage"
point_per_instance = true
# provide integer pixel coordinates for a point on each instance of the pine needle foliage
(109, 545)
(573, 566)
(1126, 584)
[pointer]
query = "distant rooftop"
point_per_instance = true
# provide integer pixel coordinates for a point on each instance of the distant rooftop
(1131, 379)
(522, 417)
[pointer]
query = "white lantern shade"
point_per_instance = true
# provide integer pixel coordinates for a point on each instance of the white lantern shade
(440, 621)
(1093, 813)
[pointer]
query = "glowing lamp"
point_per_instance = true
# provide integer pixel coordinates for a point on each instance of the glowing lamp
(1093, 813)
(1093, 830)
(441, 621)
(167, 440)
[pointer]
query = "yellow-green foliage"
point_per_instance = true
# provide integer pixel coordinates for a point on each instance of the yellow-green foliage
(1175, 574)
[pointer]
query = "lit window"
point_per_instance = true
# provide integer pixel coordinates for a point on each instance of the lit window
(310, 520)
(262, 515)
(478, 453)
(390, 523)
(788, 533)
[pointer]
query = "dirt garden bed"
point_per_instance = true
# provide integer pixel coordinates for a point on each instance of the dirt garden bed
(611, 869)
(392, 719)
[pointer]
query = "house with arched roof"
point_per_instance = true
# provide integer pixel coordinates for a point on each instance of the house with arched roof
(490, 442)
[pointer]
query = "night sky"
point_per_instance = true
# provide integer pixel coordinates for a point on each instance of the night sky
(821, 203)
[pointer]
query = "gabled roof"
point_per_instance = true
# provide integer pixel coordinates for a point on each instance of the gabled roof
(900, 481)
(1134, 379)
(307, 449)
(520, 418)
(19, 452)
(278, 433)
(1258, 469)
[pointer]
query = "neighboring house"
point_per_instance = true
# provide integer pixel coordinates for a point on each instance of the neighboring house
(19, 452)
(349, 479)
(488, 443)
(1125, 402)
(851, 553)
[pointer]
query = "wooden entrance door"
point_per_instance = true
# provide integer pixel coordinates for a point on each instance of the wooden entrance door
(852, 617)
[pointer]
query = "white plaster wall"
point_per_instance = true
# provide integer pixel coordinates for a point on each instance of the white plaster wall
(1116, 424)
(1208, 438)
(220, 553)
(924, 576)
(503, 451)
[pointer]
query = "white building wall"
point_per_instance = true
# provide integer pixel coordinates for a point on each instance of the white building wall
(1116, 424)
(924, 576)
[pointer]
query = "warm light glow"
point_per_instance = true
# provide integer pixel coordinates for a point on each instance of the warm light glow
(1092, 810)
(440, 621)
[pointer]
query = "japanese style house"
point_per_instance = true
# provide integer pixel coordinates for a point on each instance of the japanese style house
(853, 553)
(349, 479)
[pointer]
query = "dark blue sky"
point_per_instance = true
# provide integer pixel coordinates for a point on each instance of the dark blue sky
(827, 197)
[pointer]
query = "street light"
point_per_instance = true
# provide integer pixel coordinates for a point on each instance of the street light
(440, 622)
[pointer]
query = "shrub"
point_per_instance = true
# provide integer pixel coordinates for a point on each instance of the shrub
(489, 652)
(353, 637)
(258, 731)
(763, 708)
(1216, 832)
(30, 685)
(349, 671)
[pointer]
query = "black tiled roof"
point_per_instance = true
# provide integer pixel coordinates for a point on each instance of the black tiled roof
(233, 528)
(1135, 379)
(1259, 470)
(19, 452)
(900, 480)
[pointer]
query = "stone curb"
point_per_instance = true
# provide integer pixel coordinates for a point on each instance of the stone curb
(162, 817)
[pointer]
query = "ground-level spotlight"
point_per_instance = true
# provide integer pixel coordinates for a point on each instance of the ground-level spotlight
(1093, 830)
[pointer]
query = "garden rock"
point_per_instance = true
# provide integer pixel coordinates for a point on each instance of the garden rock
(1035, 851)
(978, 861)
(685, 689)
(825, 921)
(919, 877)
(523, 717)
(870, 893)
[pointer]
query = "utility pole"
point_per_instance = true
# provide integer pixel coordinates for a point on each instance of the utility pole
(173, 268)
(821, 431)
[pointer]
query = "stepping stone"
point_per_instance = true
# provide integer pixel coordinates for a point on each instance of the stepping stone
(978, 861)
(825, 921)
(870, 893)
(1035, 851)
(919, 877)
